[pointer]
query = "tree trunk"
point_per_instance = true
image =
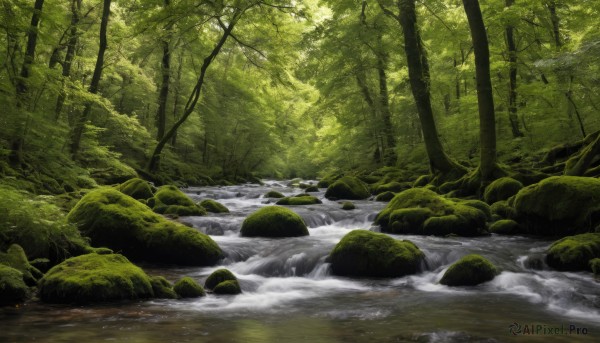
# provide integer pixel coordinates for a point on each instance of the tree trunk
(364, 89)
(513, 116)
(161, 114)
(29, 57)
(389, 153)
(79, 126)
(176, 94)
(69, 57)
(418, 70)
(555, 23)
(485, 99)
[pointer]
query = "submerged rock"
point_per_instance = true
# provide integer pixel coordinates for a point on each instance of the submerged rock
(188, 288)
(274, 221)
(348, 206)
(366, 253)
(348, 187)
(470, 270)
(13, 289)
(501, 189)
(170, 200)
(214, 206)
(136, 188)
(574, 253)
(222, 281)
(121, 223)
(274, 194)
(302, 199)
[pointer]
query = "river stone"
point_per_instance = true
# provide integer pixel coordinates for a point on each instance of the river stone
(470, 270)
(187, 287)
(501, 189)
(348, 187)
(371, 254)
(574, 253)
(170, 200)
(273, 221)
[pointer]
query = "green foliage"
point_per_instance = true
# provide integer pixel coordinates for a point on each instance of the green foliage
(347, 187)
(273, 221)
(370, 254)
(470, 270)
(213, 206)
(187, 287)
(574, 252)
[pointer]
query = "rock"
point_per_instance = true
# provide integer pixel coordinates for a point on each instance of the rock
(222, 281)
(393, 186)
(311, 189)
(385, 196)
(214, 206)
(162, 288)
(574, 253)
(348, 206)
(274, 221)
(95, 278)
(136, 188)
(188, 288)
(227, 288)
(501, 189)
(13, 289)
(329, 179)
(503, 210)
(371, 254)
(303, 199)
(15, 258)
(348, 187)
(559, 206)
(505, 227)
(119, 222)
(424, 212)
(470, 270)
(170, 200)
(274, 194)
(480, 205)
(595, 266)
(422, 181)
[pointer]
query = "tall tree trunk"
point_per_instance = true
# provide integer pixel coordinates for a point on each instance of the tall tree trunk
(79, 126)
(29, 57)
(551, 5)
(389, 153)
(161, 114)
(361, 80)
(485, 99)
(69, 57)
(176, 93)
(418, 71)
(513, 116)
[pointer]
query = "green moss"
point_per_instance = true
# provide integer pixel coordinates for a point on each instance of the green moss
(311, 189)
(230, 287)
(347, 187)
(441, 216)
(137, 189)
(213, 206)
(574, 252)
(502, 209)
(121, 223)
(595, 266)
(162, 288)
(422, 181)
(188, 288)
(366, 253)
(505, 227)
(385, 196)
(501, 189)
(94, 278)
(470, 270)
(559, 206)
(217, 277)
(274, 221)
(274, 194)
(393, 186)
(480, 205)
(13, 289)
(299, 200)
(15, 258)
(170, 200)
(348, 206)
(329, 179)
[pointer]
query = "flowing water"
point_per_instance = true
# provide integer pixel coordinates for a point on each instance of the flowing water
(289, 294)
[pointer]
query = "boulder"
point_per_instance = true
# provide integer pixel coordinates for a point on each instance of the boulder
(501, 189)
(222, 281)
(348, 206)
(15, 258)
(595, 266)
(188, 288)
(214, 206)
(393, 186)
(470, 270)
(371, 254)
(136, 188)
(385, 196)
(505, 227)
(348, 187)
(302, 199)
(162, 288)
(13, 289)
(575, 252)
(503, 210)
(169, 200)
(274, 221)
(274, 194)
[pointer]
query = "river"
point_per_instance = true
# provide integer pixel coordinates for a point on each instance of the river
(289, 294)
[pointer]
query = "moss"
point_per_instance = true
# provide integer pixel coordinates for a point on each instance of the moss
(559, 206)
(505, 227)
(393, 186)
(370, 179)
(470, 270)
(299, 200)
(214, 206)
(162, 288)
(274, 221)
(94, 278)
(385, 196)
(188, 288)
(13, 289)
(431, 215)
(422, 181)
(347, 187)
(274, 194)
(329, 179)
(229, 287)
(217, 277)
(502, 209)
(170, 200)
(501, 189)
(311, 189)
(137, 189)
(480, 205)
(366, 253)
(15, 258)
(348, 206)
(595, 266)
(574, 252)
(119, 222)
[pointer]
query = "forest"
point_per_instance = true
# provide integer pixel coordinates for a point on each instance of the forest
(381, 170)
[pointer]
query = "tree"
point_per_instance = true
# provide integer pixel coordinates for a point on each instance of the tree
(70, 55)
(512, 76)
(32, 35)
(161, 114)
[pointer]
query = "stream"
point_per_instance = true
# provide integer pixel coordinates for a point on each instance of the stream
(289, 294)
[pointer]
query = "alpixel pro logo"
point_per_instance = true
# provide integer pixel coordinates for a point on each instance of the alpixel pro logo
(546, 330)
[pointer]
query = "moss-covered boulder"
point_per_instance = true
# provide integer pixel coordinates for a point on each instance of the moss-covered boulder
(274, 194)
(503, 210)
(559, 206)
(501, 189)
(480, 205)
(301, 199)
(162, 288)
(13, 289)
(15, 258)
(348, 206)
(470, 270)
(119, 222)
(188, 288)
(329, 179)
(170, 200)
(422, 181)
(393, 186)
(95, 278)
(311, 189)
(214, 206)
(274, 221)
(575, 252)
(385, 196)
(222, 281)
(136, 188)
(348, 187)
(424, 212)
(595, 266)
(505, 227)
(371, 254)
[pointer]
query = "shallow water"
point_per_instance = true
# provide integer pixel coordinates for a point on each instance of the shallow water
(290, 295)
